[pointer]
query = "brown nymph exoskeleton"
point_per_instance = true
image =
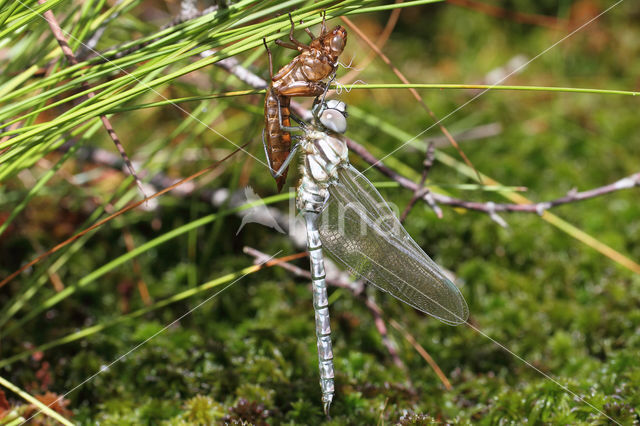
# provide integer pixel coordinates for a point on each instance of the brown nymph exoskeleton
(306, 75)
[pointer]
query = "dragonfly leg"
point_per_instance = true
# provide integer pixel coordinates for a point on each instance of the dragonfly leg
(326, 89)
(300, 121)
(323, 28)
(321, 99)
(264, 41)
(302, 124)
(285, 164)
(282, 126)
(266, 154)
(308, 31)
(287, 45)
(321, 308)
(319, 104)
(293, 40)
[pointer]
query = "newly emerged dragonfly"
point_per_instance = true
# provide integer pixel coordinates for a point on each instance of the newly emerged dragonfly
(345, 215)
(305, 75)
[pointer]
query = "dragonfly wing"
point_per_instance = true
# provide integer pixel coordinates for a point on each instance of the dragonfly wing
(358, 228)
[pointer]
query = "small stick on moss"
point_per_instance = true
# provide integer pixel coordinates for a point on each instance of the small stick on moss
(423, 353)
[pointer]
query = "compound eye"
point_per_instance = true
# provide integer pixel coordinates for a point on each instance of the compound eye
(334, 120)
(337, 105)
(337, 43)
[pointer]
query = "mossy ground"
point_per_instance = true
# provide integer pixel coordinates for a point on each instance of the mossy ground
(568, 315)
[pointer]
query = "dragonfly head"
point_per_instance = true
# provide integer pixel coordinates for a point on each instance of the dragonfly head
(332, 42)
(331, 114)
(338, 40)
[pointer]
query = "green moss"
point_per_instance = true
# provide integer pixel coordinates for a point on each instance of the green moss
(555, 324)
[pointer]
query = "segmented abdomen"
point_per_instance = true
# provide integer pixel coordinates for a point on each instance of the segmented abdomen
(278, 142)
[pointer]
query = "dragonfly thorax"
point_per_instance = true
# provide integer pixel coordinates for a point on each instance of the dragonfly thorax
(323, 154)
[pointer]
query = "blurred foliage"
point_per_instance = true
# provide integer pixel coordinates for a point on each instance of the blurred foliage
(569, 316)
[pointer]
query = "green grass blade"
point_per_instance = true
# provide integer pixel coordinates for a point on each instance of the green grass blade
(27, 397)
(94, 275)
(491, 87)
(127, 317)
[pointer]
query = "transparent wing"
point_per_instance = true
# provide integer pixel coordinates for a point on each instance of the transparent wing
(358, 228)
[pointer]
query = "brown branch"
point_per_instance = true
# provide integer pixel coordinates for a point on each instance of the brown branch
(118, 213)
(539, 208)
(58, 33)
(491, 207)
(423, 192)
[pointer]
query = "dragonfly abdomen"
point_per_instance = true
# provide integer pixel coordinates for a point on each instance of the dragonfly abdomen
(321, 309)
(278, 141)
(323, 154)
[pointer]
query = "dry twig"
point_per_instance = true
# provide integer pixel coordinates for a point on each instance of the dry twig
(490, 207)
(423, 192)
(118, 213)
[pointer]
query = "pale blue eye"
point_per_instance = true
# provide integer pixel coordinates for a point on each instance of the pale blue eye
(334, 120)
(337, 105)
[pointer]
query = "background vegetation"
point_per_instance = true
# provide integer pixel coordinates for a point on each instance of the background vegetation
(249, 354)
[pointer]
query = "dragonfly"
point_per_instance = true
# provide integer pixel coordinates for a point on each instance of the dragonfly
(347, 217)
(305, 75)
